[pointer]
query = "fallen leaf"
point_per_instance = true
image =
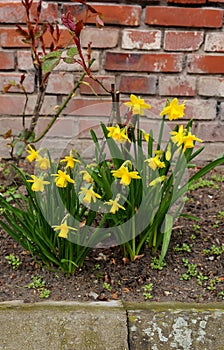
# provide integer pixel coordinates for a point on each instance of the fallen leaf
(137, 257)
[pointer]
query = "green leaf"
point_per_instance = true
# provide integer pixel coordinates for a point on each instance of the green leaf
(50, 64)
(19, 148)
(51, 60)
(72, 51)
(166, 236)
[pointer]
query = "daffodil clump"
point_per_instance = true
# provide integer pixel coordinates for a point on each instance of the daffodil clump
(130, 199)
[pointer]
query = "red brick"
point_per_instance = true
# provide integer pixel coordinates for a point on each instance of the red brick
(141, 39)
(127, 15)
(177, 86)
(100, 38)
(28, 82)
(138, 84)
(214, 42)
(10, 38)
(95, 87)
(217, 1)
(207, 64)
(152, 62)
(183, 16)
(14, 12)
(7, 60)
(13, 104)
(61, 83)
(192, 2)
(183, 40)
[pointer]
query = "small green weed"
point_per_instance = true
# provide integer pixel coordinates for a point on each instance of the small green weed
(13, 261)
(156, 264)
(39, 285)
(212, 284)
(201, 278)
(185, 247)
(191, 270)
(217, 178)
(201, 183)
(147, 289)
(107, 286)
(214, 250)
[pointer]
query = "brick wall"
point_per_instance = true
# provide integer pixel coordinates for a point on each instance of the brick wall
(156, 49)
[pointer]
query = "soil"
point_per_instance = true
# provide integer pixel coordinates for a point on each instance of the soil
(105, 275)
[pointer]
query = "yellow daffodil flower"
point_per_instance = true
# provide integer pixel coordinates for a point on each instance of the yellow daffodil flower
(43, 163)
(155, 162)
(38, 183)
(157, 180)
(62, 179)
(118, 134)
(146, 136)
(125, 175)
(89, 195)
(70, 160)
(177, 136)
(86, 176)
(115, 206)
(137, 105)
(189, 140)
(33, 154)
(174, 110)
(64, 229)
(168, 152)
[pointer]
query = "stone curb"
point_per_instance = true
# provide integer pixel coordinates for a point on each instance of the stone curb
(111, 326)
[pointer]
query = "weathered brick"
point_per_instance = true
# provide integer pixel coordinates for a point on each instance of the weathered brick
(183, 16)
(214, 42)
(183, 40)
(24, 60)
(177, 86)
(211, 151)
(153, 62)
(198, 109)
(94, 87)
(66, 127)
(85, 125)
(14, 12)
(100, 38)
(138, 84)
(192, 2)
(211, 131)
(211, 86)
(62, 66)
(7, 60)
(13, 104)
(13, 123)
(61, 83)
(127, 15)
(205, 64)
(141, 39)
(222, 110)
(28, 83)
(89, 107)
